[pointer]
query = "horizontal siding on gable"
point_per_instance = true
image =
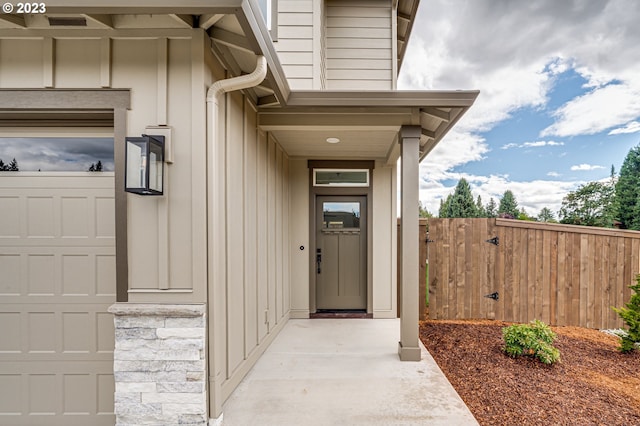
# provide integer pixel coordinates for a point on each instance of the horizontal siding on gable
(295, 45)
(359, 53)
(295, 40)
(360, 22)
(295, 6)
(369, 84)
(295, 19)
(361, 74)
(359, 41)
(371, 10)
(296, 58)
(298, 71)
(295, 32)
(354, 64)
(383, 34)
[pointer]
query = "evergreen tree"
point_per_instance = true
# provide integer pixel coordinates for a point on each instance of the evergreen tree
(481, 212)
(444, 206)
(627, 191)
(491, 210)
(508, 205)
(462, 204)
(3, 167)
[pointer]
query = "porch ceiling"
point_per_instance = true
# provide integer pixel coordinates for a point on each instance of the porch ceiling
(367, 123)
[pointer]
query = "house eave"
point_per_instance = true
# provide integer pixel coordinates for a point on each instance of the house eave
(436, 112)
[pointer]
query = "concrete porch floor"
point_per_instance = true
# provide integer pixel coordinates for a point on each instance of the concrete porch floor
(343, 372)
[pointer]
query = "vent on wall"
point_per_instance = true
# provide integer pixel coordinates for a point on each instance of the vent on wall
(67, 22)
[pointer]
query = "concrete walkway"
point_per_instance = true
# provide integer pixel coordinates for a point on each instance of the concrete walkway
(343, 372)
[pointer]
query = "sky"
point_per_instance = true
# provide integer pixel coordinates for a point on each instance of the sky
(559, 99)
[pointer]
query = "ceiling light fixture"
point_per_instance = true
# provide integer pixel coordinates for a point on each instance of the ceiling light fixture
(333, 140)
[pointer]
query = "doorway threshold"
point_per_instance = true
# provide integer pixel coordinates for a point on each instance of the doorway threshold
(340, 313)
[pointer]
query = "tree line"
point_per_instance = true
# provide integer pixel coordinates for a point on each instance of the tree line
(11, 167)
(608, 203)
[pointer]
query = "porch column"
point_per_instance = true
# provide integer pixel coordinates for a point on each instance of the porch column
(408, 347)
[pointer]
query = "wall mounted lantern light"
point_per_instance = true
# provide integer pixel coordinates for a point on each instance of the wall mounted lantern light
(144, 158)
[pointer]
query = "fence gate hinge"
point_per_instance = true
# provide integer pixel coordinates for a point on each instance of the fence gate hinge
(494, 296)
(494, 241)
(430, 241)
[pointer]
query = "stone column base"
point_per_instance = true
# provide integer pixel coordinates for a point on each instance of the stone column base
(160, 364)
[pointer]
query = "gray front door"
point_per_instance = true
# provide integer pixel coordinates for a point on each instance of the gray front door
(341, 252)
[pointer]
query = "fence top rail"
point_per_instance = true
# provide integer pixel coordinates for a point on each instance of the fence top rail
(559, 227)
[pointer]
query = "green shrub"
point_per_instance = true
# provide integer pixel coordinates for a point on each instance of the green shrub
(534, 339)
(631, 316)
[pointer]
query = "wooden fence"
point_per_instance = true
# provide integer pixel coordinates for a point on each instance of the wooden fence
(560, 274)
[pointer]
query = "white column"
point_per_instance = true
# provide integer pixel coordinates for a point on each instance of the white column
(408, 347)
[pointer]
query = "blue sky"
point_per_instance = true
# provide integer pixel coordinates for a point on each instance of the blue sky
(559, 101)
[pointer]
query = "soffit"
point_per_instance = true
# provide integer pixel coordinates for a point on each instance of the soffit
(367, 123)
(406, 14)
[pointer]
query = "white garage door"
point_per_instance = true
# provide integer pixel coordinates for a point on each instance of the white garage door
(57, 279)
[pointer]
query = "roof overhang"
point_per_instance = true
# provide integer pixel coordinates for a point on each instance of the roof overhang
(368, 122)
(406, 15)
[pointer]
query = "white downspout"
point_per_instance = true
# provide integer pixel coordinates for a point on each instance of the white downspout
(216, 293)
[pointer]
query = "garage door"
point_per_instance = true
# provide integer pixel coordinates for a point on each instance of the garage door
(57, 279)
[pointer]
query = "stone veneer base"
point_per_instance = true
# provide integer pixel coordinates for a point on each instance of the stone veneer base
(160, 364)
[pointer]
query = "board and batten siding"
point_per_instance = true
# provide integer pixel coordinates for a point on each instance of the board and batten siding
(359, 40)
(249, 294)
(164, 70)
(295, 43)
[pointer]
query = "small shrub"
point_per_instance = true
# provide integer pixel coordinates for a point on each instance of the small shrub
(631, 316)
(534, 339)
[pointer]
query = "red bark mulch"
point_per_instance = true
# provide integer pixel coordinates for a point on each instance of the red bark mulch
(593, 384)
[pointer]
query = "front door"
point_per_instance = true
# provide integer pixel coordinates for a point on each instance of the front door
(341, 253)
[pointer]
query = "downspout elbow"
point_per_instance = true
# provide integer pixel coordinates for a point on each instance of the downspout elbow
(238, 83)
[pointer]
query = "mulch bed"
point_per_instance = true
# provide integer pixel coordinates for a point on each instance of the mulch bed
(594, 384)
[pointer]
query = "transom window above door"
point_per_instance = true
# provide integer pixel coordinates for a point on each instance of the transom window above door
(340, 177)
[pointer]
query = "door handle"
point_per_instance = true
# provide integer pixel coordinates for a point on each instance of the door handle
(319, 259)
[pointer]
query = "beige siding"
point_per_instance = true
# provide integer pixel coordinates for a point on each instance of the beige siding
(359, 45)
(299, 225)
(295, 42)
(249, 296)
(162, 70)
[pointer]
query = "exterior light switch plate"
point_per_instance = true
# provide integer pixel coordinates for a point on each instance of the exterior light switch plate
(167, 132)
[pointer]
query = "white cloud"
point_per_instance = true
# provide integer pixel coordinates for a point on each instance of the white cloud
(554, 174)
(631, 127)
(596, 111)
(535, 144)
(585, 167)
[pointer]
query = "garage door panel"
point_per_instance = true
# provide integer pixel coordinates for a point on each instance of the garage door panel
(64, 332)
(57, 257)
(58, 271)
(62, 397)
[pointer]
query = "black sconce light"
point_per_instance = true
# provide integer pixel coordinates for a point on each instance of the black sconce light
(144, 158)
